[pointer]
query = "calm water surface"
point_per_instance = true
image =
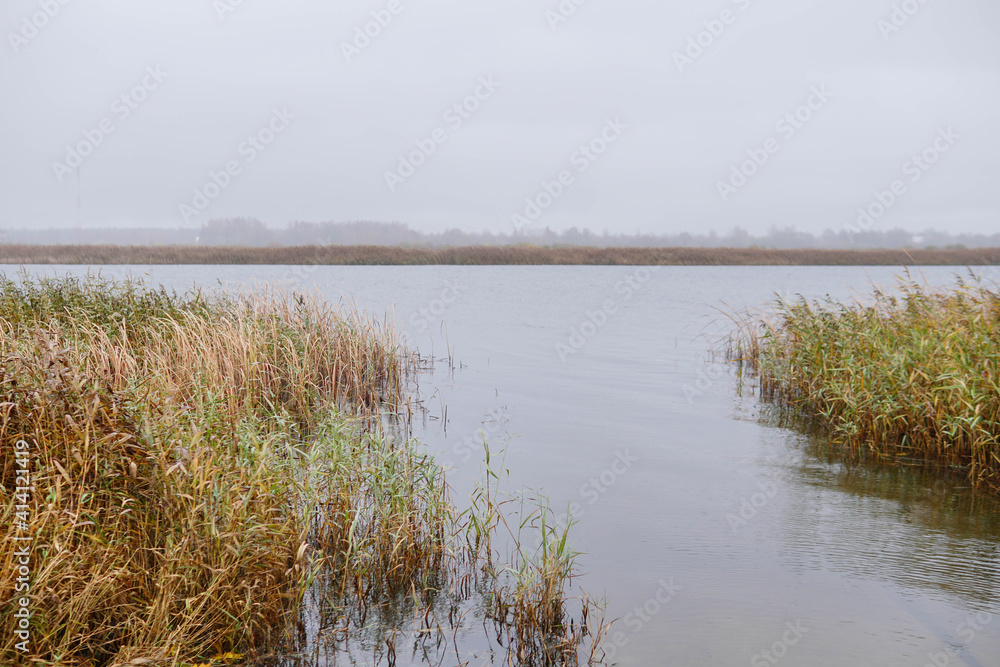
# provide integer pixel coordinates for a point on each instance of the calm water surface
(602, 380)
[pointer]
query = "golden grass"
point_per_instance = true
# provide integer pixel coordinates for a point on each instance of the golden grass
(485, 255)
(911, 374)
(200, 466)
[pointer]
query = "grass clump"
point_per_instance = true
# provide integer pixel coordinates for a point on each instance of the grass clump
(163, 431)
(526, 598)
(212, 477)
(910, 374)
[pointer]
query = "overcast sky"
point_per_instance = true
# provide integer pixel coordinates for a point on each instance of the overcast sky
(145, 101)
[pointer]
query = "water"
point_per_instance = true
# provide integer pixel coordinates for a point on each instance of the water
(765, 540)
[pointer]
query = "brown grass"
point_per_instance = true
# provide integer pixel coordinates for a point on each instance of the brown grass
(486, 255)
(199, 466)
(160, 432)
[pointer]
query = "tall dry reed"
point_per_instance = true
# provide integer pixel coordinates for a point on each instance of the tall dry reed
(203, 469)
(912, 373)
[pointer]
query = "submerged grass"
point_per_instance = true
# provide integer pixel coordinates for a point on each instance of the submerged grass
(203, 469)
(910, 374)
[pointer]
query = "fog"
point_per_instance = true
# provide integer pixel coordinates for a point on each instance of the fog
(503, 116)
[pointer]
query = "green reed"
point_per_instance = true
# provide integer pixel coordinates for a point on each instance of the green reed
(908, 373)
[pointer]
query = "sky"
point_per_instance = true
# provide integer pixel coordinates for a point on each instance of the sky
(502, 115)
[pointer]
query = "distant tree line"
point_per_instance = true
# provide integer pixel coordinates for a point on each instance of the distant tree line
(251, 232)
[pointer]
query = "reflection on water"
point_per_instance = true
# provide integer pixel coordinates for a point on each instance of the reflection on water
(756, 526)
(901, 524)
(914, 524)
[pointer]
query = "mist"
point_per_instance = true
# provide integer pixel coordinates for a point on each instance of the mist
(629, 117)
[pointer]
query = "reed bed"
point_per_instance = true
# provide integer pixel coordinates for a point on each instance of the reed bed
(203, 469)
(911, 374)
(526, 254)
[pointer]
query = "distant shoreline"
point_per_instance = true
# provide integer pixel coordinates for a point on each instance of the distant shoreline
(485, 256)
